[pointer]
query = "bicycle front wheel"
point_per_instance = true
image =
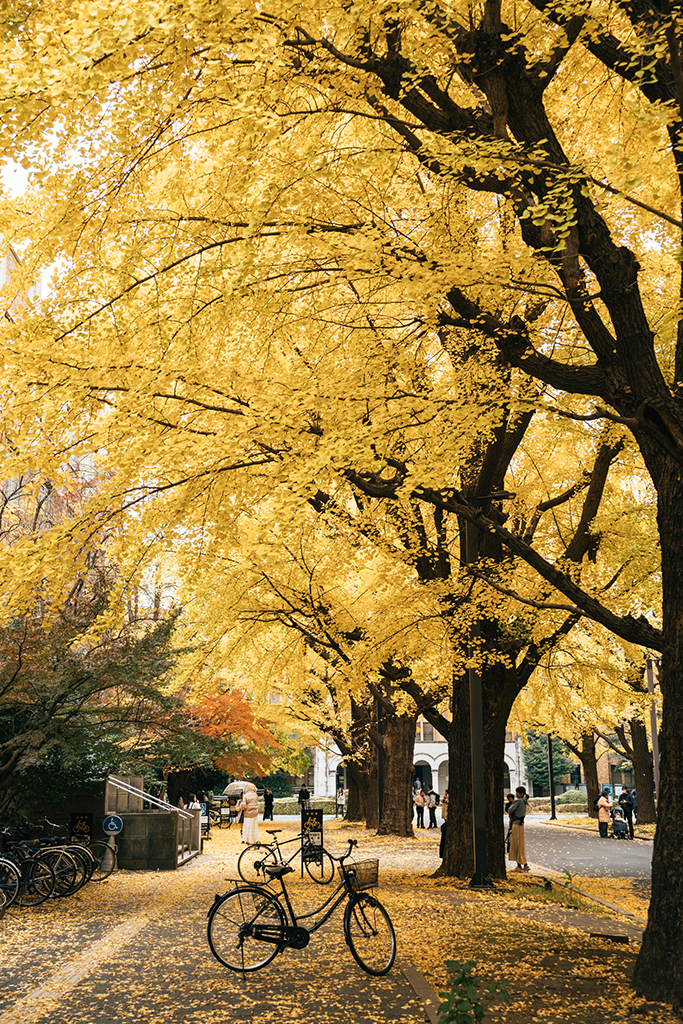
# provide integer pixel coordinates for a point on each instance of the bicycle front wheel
(251, 861)
(64, 868)
(37, 883)
(84, 861)
(105, 858)
(246, 929)
(369, 934)
(320, 867)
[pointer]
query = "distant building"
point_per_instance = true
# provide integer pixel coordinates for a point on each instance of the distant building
(430, 761)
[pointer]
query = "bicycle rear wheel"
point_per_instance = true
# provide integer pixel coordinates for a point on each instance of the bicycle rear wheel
(246, 929)
(10, 881)
(251, 861)
(320, 868)
(369, 934)
(105, 860)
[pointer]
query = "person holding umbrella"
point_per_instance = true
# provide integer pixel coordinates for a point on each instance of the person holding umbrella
(249, 807)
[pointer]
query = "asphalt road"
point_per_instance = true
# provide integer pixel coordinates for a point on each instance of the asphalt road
(584, 853)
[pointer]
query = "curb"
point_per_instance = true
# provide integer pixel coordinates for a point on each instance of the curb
(611, 906)
(423, 990)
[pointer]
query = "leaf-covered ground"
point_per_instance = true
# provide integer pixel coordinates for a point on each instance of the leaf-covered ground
(134, 949)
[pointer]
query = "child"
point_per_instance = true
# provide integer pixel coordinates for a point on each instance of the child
(619, 825)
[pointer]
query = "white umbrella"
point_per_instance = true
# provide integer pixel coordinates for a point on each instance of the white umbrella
(234, 789)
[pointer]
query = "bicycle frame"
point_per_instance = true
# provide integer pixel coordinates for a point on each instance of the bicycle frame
(266, 933)
(341, 893)
(276, 844)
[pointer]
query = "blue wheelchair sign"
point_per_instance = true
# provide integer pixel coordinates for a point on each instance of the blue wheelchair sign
(112, 825)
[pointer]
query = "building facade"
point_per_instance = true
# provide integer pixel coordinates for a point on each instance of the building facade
(430, 762)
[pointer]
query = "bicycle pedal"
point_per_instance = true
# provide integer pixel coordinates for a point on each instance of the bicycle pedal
(298, 938)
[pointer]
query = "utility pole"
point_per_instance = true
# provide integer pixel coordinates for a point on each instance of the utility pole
(650, 663)
(551, 777)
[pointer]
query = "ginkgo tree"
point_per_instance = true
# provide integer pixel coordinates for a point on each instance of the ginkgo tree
(250, 201)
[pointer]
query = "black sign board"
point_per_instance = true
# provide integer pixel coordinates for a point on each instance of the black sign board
(312, 829)
(80, 828)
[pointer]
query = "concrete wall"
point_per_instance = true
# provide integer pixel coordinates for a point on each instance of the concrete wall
(151, 839)
(148, 842)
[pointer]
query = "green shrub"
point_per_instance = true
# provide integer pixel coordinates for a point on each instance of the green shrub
(572, 796)
(291, 805)
(541, 805)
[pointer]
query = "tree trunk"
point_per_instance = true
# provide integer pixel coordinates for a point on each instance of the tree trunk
(499, 688)
(589, 763)
(356, 806)
(659, 967)
(372, 801)
(644, 772)
(398, 741)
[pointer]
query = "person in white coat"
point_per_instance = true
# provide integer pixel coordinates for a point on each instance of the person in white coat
(249, 807)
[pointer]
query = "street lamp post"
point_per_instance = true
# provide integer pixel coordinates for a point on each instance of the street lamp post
(551, 777)
(650, 663)
(481, 875)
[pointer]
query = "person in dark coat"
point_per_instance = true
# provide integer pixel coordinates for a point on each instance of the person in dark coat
(304, 799)
(268, 805)
(626, 805)
(431, 807)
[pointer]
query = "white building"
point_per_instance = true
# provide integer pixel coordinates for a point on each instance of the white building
(430, 760)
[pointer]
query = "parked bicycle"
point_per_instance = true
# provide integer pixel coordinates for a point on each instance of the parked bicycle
(254, 859)
(104, 855)
(35, 867)
(25, 880)
(96, 860)
(249, 925)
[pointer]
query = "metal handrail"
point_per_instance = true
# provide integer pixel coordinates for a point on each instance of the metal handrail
(126, 788)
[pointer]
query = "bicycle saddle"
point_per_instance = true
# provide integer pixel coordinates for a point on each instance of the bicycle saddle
(277, 870)
(273, 831)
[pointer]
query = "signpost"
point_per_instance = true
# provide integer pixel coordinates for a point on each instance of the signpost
(112, 825)
(311, 836)
(80, 828)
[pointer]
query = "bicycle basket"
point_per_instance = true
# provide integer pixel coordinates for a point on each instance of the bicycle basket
(365, 874)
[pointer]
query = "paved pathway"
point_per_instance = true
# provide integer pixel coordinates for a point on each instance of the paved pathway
(584, 853)
(136, 951)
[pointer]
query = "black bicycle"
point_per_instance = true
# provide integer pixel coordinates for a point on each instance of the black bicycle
(254, 859)
(249, 925)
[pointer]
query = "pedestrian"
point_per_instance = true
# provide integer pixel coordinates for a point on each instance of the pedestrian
(339, 810)
(444, 805)
(432, 803)
(194, 804)
(417, 785)
(249, 807)
(626, 805)
(444, 823)
(268, 805)
(304, 799)
(634, 797)
(603, 813)
(517, 813)
(420, 801)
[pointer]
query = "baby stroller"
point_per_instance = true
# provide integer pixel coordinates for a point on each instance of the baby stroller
(619, 825)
